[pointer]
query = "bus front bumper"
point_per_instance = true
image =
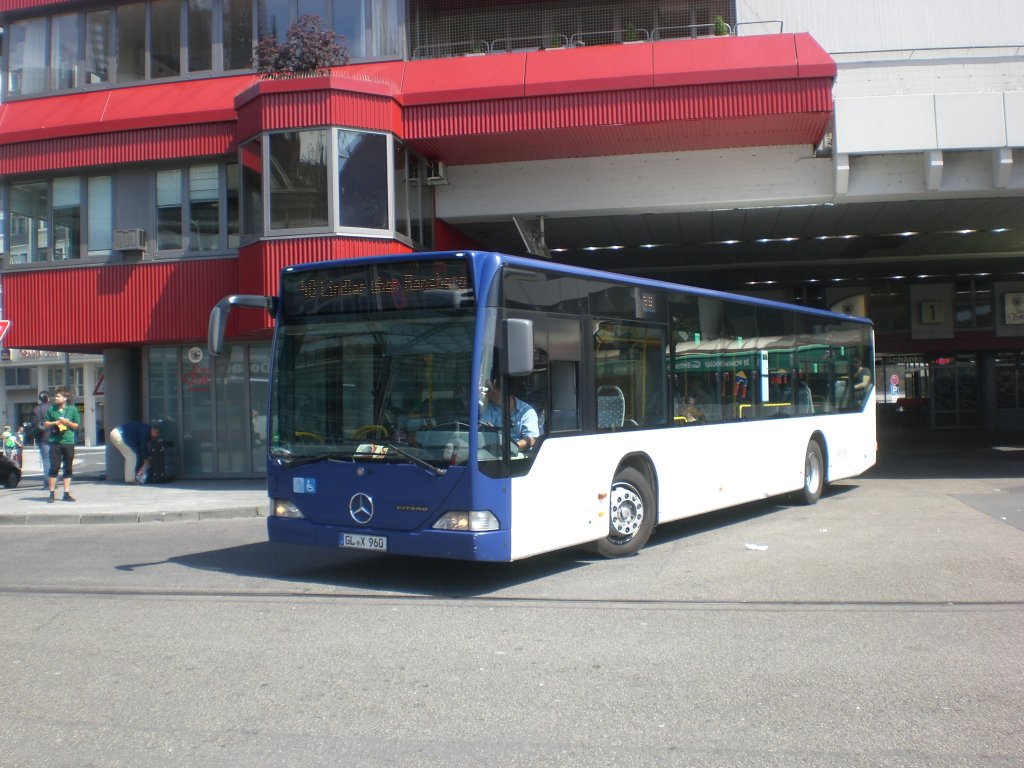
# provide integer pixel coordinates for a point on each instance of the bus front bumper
(490, 546)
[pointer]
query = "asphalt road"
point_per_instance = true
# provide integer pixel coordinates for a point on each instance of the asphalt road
(881, 627)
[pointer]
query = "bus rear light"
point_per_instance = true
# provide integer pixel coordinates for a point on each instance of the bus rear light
(284, 508)
(467, 521)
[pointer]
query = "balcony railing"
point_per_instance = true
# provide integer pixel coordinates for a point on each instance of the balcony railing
(576, 40)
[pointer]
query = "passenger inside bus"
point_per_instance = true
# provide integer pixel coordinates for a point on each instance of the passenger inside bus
(861, 381)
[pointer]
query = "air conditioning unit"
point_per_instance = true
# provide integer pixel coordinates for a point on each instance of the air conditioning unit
(437, 174)
(129, 240)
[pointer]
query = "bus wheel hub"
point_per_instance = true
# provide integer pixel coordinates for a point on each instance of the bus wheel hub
(627, 510)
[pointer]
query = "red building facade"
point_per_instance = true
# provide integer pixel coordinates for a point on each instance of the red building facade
(138, 205)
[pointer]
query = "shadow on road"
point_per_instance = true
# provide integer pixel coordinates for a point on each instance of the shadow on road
(383, 574)
(902, 454)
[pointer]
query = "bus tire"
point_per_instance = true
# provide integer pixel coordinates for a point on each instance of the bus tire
(814, 474)
(631, 511)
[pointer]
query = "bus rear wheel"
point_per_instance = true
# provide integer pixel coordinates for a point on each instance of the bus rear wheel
(631, 512)
(814, 474)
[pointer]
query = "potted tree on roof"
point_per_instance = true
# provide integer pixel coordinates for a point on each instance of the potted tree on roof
(310, 48)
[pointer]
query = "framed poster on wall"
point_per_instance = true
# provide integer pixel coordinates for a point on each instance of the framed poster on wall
(1013, 308)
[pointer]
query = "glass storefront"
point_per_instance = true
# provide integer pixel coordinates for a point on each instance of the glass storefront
(954, 400)
(213, 408)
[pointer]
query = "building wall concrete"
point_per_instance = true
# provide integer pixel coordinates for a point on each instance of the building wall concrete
(664, 182)
(841, 25)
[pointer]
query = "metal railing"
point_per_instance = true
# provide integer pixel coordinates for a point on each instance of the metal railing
(576, 40)
(529, 43)
(610, 37)
(448, 50)
(763, 24)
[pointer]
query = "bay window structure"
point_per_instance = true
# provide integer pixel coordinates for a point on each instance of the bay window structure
(379, 187)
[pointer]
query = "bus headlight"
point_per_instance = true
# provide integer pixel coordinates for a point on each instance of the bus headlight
(284, 508)
(467, 521)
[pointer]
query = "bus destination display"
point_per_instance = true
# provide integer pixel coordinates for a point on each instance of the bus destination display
(377, 287)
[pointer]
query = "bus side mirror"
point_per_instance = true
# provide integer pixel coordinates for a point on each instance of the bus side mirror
(519, 336)
(219, 316)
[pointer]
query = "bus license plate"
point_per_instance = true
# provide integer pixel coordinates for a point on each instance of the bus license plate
(362, 541)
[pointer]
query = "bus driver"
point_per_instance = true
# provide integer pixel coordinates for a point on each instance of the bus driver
(524, 427)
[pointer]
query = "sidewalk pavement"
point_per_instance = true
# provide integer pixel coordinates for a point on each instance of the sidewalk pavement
(102, 501)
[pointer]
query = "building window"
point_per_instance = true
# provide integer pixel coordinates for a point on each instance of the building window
(237, 45)
(64, 59)
(18, 377)
(39, 207)
(363, 179)
(298, 184)
(30, 233)
(273, 18)
(372, 28)
(98, 36)
(67, 218)
(168, 210)
(55, 378)
(193, 220)
(27, 58)
(204, 208)
(131, 43)
(200, 35)
(400, 174)
(233, 205)
(251, 193)
(100, 216)
(973, 305)
(165, 39)
(161, 39)
(414, 200)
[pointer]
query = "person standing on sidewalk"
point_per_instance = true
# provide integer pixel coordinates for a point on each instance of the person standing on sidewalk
(63, 420)
(133, 441)
(42, 435)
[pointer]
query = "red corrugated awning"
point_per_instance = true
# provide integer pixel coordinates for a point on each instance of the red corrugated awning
(672, 95)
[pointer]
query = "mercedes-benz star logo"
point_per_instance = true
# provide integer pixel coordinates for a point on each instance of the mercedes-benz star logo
(360, 507)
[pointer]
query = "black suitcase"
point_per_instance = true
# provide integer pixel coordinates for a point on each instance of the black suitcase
(163, 466)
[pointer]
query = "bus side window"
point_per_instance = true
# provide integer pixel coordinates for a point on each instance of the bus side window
(564, 397)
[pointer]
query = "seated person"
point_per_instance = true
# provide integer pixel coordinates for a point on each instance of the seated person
(689, 412)
(524, 426)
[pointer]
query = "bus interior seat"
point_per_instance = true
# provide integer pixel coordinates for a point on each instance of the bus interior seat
(611, 407)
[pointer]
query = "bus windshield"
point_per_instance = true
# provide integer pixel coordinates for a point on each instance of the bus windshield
(390, 388)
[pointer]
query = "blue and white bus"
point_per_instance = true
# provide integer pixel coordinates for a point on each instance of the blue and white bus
(653, 402)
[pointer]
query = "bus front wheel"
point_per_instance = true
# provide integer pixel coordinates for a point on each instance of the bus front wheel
(814, 473)
(631, 514)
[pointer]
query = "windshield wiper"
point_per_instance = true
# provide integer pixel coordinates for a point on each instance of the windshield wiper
(298, 461)
(435, 471)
